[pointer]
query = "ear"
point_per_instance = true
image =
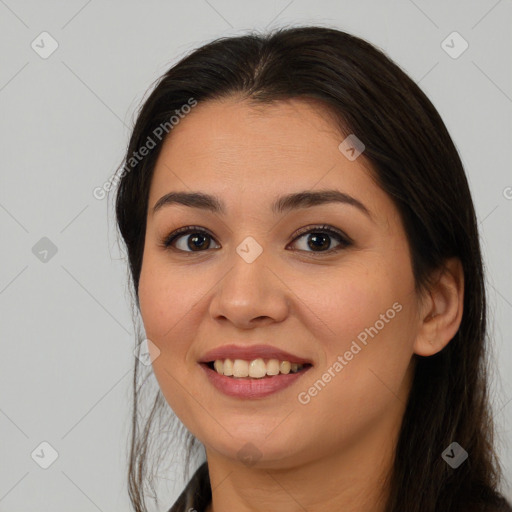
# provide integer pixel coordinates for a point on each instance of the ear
(441, 312)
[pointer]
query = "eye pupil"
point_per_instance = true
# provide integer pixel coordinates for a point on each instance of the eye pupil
(194, 245)
(316, 237)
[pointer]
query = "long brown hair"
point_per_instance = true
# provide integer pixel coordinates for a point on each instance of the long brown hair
(414, 160)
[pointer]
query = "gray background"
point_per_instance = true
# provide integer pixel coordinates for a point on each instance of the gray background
(66, 330)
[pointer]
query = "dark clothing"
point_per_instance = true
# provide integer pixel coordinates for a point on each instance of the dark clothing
(197, 495)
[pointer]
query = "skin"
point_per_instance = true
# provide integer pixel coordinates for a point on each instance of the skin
(335, 450)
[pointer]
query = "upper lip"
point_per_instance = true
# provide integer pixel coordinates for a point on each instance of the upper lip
(250, 353)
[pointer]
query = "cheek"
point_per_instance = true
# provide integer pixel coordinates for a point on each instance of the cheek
(368, 319)
(167, 309)
(166, 299)
(342, 304)
(151, 297)
(364, 378)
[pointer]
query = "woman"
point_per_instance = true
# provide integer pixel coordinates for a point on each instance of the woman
(305, 257)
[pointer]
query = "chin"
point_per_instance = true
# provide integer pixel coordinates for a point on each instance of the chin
(257, 451)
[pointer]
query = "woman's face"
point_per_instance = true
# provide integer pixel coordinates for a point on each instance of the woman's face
(350, 310)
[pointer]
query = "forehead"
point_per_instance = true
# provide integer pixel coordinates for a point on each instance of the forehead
(254, 153)
(236, 130)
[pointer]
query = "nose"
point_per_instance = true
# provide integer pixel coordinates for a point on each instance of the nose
(250, 295)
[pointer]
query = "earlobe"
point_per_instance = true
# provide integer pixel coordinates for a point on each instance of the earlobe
(441, 313)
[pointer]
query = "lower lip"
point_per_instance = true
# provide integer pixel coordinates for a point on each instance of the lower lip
(245, 387)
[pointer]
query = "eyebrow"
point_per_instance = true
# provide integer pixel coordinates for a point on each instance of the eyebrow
(304, 199)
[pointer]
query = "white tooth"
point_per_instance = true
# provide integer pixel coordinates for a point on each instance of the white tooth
(285, 367)
(219, 366)
(228, 367)
(273, 367)
(257, 368)
(240, 368)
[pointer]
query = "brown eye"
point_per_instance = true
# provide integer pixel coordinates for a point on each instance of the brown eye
(319, 239)
(189, 239)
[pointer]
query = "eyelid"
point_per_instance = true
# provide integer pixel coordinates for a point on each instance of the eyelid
(321, 228)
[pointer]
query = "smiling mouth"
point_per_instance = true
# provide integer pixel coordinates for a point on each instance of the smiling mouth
(255, 369)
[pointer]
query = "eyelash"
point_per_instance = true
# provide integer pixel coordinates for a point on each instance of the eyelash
(343, 239)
